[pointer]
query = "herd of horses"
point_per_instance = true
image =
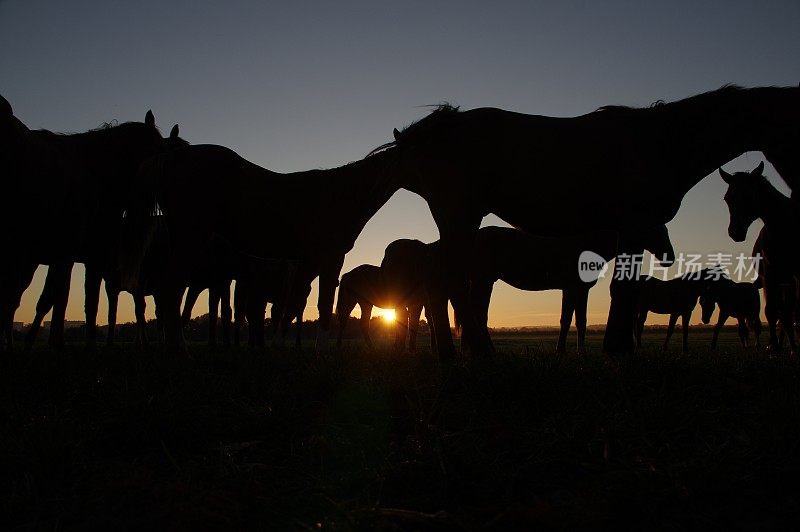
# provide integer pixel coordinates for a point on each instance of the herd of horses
(155, 216)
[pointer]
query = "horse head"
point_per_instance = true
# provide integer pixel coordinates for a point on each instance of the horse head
(143, 140)
(743, 199)
(174, 140)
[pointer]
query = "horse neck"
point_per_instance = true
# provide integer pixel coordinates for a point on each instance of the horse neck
(710, 130)
(355, 192)
(776, 210)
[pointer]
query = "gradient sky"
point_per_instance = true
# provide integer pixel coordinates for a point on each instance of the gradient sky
(300, 85)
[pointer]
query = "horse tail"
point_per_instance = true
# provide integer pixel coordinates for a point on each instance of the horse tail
(142, 219)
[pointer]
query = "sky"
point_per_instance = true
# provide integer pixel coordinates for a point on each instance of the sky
(300, 85)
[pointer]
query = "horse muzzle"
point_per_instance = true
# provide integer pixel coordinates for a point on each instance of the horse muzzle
(737, 234)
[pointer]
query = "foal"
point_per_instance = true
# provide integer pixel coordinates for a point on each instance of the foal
(537, 263)
(676, 297)
(524, 261)
(738, 300)
(369, 286)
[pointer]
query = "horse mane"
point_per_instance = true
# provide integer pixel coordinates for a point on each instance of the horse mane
(441, 113)
(721, 94)
(104, 127)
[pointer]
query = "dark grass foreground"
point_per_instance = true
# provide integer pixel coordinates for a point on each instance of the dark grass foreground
(358, 440)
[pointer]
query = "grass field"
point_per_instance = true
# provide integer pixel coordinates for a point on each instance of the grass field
(363, 440)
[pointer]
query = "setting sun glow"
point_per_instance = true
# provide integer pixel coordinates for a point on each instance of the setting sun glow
(388, 316)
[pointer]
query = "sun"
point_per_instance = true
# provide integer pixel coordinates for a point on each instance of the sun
(389, 316)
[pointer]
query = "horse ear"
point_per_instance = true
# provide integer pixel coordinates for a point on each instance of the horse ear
(396, 134)
(173, 134)
(725, 176)
(759, 170)
(5, 107)
(149, 119)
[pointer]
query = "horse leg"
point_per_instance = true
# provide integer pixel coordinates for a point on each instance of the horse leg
(112, 294)
(742, 330)
(723, 317)
(226, 312)
(213, 309)
(414, 312)
(641, 319)
(567, 309)
(685, 332)
(457, 231)
(188, 305)
(772, 311)
(439, 321)
(15, 281)
(298, 339)
(366, 315)
(787, 317)
(755, 323)
(141, 323)
(673, 319)
(619, 336)
(56, 340)
(91, 287)
(168, 306)
(280, 319)
(239, 310)
(328, 281)
(581, 302)
(685, 329)
(401, 328)
(43, 305)
(480, 297)
(344, 307)
(431, 331)
(255, 319)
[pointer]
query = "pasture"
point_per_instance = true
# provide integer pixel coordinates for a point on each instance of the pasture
(361, 440)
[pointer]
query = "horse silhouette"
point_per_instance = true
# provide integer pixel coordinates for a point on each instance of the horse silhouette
(101, 265)
(311, 217)
(617, 168)
(72, 188)
(367, 286)
(535, 263)
(737, 300)
(677, 297)
(749, 197)
(525, 262)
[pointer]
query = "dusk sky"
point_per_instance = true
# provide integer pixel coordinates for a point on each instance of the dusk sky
(301, 85)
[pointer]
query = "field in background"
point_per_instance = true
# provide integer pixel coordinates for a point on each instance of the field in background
(366, 439)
